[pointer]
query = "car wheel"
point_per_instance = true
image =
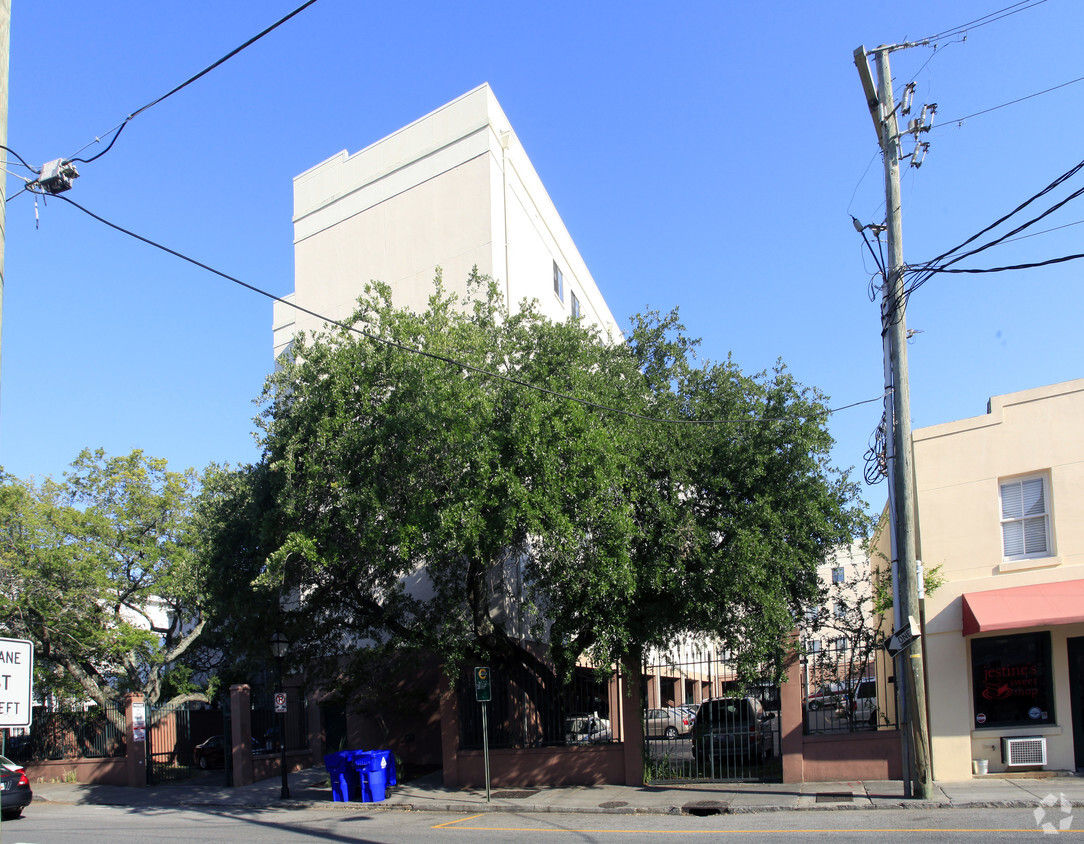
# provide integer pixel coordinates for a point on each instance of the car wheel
(12, 814)
(202, 763)
(671, 732)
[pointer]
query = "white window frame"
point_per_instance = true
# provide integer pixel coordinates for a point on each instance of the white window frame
(1024, 518)
(558, 283)
(838, 574)
(577, 310)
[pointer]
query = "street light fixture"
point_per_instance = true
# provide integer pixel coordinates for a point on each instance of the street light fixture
(279, 645)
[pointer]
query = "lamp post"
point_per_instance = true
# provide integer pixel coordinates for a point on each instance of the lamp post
(279, 645)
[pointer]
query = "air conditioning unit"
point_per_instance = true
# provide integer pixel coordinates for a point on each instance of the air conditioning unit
(1026, 750)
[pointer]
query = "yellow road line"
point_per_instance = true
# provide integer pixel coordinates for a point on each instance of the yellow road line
(453, 823)
(572, 830)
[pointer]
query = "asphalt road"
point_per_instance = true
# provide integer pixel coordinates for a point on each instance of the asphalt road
(55, 823)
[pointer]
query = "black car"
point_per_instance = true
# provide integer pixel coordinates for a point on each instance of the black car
(734, 730)
(212, 752)
(15, 794)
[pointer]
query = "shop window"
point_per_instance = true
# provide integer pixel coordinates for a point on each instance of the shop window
(1025, 518)
(1012, 681)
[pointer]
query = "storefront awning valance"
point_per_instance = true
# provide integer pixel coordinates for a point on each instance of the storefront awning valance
(1038, 605)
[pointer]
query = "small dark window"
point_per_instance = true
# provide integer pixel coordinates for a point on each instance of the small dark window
(558, 282)
(575, 306)
(1012, 680)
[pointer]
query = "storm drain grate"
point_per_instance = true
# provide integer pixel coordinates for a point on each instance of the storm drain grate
(514, 795)
(704, 808)
(613, 804)
(835, 797)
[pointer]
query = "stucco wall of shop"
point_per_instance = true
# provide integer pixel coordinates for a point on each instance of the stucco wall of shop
(958, 466)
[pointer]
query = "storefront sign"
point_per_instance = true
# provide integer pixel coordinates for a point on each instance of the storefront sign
(1012, 680)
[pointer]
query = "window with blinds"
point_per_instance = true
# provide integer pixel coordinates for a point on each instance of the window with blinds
(1025, 518)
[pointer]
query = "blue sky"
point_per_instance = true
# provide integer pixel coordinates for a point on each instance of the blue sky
(704, 155)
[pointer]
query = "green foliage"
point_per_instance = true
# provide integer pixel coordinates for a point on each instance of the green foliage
(408, 500)
(98, 573)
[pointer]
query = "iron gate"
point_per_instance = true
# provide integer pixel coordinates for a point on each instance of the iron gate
(702, 724)
(169, 744)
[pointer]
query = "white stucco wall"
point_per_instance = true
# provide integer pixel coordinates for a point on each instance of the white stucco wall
(454, 189)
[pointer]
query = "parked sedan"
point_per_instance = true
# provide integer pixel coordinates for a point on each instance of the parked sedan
(212, 752)
(581, 728)
(671, 722)
(15, 793)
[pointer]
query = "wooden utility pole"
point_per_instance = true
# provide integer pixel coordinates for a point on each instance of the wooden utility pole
(894, 326)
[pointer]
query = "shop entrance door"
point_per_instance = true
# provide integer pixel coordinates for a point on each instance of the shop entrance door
(1076, 695)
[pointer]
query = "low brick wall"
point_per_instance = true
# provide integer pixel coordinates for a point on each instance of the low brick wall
(543, 766)
(874, 755)
(99, 771)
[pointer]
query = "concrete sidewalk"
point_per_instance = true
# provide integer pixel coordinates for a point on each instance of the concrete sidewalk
(309, 789)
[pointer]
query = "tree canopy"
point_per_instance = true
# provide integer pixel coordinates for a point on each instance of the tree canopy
(98, 572)
(463, 478)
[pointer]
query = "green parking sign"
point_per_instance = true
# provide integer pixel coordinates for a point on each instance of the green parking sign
(483, 691)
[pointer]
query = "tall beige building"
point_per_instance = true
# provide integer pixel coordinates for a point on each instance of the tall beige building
(454, 189)
(1000, 506)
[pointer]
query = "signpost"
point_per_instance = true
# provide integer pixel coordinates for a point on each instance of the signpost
(16, 682)
(483, 693)
(903, 637)
(280, 702)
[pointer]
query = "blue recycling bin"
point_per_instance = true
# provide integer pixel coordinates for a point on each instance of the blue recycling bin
(375, 783)
(388, 765)
(343, 774)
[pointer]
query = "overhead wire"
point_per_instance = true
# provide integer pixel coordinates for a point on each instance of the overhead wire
(116, 130)
(443, 358)
(958, 120)
(992, 17)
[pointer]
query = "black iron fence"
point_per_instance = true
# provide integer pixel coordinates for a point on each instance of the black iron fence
(845, 689)
(536, 708)
(85, 733)
(268, 726)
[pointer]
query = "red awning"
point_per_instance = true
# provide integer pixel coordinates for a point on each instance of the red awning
(1040, 605)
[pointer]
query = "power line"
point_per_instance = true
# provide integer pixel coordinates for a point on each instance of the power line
(1030, 266)
(442, 358)
(959, 120)
(116, 130)
(992, 17)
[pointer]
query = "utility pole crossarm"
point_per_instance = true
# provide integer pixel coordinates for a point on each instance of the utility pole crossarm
(861, 61)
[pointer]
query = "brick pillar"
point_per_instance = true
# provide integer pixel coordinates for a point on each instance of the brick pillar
(136, 755)
(632, 721)
(449, 733)
(791, 719)
(241, 738)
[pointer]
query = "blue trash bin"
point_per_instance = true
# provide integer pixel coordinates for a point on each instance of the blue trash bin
(376, 777)
(343, 774)
(360, 760)
(388, 766)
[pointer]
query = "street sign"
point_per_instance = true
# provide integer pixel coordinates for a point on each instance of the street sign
(483, 689)
(903, 637)
(16, 682)
(280, 701)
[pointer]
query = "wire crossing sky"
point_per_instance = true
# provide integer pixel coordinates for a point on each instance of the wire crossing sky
(658, 133)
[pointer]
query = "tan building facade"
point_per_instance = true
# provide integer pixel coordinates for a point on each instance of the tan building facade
(1000, 507)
